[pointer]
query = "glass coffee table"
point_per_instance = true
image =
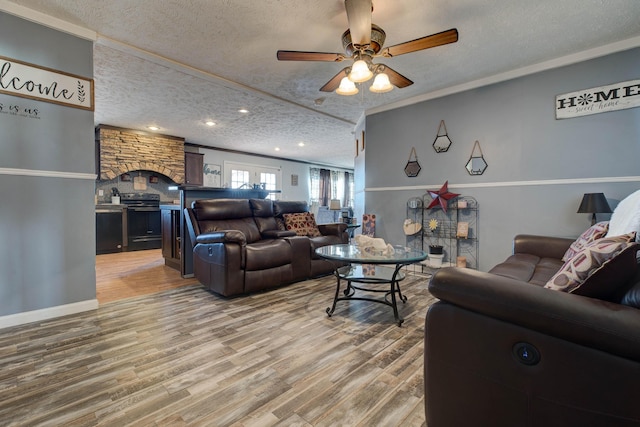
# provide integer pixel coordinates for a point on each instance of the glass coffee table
(370, 268)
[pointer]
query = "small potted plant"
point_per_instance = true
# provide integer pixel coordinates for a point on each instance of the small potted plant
(436, 252)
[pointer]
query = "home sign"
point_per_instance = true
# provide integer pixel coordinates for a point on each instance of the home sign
(613, 97)
(45, 84)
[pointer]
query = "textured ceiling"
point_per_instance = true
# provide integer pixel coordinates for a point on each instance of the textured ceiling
(178, 63)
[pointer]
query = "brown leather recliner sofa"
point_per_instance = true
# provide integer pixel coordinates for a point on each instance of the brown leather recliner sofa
(240, 248)
(502, 350)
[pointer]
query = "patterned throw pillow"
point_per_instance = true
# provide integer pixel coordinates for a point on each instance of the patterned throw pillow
(599, 268)
(626, 216)
(304, 224)
(595, 232)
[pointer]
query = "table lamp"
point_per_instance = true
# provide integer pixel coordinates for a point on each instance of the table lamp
(594, 203)
(334, 205)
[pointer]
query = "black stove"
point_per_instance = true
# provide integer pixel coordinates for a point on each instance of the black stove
(143, 220)
(140, 200)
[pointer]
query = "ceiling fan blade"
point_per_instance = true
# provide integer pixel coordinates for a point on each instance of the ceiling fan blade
(397, 79)
(294, 55)
(359, 16)
(334, 83)
(438, 39)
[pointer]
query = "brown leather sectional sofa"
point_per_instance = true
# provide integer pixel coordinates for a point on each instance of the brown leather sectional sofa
(501, 350)
(239, 247)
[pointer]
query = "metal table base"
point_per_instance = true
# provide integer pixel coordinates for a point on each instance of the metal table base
(370, 274)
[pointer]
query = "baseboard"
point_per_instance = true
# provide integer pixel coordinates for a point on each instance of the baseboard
(47, 313)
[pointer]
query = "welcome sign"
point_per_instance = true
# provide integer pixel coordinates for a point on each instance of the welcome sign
(614, 97)
(34, 82)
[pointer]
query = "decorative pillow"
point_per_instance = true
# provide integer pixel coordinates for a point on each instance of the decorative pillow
(304, 224)
(595, 232)
(626, 216)
(599, 268)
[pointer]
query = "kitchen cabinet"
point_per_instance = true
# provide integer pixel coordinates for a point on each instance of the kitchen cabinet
(109, 231)
(170, 226)
(193, 168)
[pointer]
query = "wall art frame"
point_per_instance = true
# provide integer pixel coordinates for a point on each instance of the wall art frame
(31, 81)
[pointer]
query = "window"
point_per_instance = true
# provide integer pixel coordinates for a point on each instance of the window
(325, 185)
(269, 181)
(245, 175)
(314, 185)
(239, 178)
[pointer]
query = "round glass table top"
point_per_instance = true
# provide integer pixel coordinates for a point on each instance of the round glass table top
(352, 253)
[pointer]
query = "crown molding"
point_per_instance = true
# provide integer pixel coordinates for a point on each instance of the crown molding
(47, 21)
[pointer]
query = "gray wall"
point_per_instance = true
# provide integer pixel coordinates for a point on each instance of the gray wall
(359, 171)
(47, 222)
(514, 121)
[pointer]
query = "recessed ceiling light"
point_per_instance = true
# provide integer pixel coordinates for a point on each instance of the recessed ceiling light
(277, 148)
(153, 127)
(243, 111)
(210, 123)
(300, 144)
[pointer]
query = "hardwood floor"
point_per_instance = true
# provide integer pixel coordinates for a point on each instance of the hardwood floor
(187, 357)
(129, 274)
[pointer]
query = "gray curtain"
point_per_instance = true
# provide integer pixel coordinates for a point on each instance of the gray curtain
(325, 187)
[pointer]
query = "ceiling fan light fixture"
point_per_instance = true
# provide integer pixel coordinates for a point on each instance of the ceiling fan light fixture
(360, 72)
(347, 87)
(381, 84)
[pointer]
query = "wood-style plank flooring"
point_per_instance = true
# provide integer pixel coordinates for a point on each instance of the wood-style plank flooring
(187, 357)
(130, 274)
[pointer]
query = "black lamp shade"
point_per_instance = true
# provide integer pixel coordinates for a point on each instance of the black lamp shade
(594, 203)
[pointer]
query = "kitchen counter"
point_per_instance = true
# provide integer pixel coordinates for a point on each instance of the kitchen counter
(222, 192)
(169, 206)
(110, 206)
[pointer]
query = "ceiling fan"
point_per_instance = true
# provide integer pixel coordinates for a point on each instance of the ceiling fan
(362, 42)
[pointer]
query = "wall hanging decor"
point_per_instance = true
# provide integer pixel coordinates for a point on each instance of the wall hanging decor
(139, 183)
(618, 96)
(441, 197)
(453, 233)
(442, 141)
(412, 169)
(411, 227)
(476, 164)
(45, 84)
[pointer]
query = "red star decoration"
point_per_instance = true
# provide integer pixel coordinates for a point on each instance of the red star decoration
(442, 196)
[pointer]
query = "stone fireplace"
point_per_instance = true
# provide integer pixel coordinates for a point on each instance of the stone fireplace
(119, 151)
